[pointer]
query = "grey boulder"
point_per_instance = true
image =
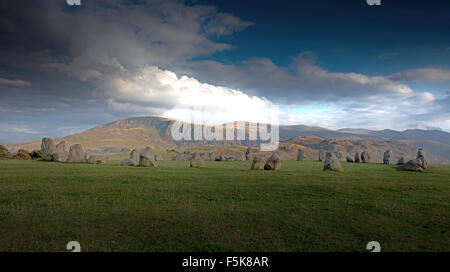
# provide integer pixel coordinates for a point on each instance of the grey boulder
(332, 163)
(387, 157)
(365, 157)
(129, 162)
(134, 155)
(197, 163)
(421, 157)
(412, 165)
(76, 154)
(48, 148)
(300, 155)
(273, 163)
(147, 162)
(258, 163)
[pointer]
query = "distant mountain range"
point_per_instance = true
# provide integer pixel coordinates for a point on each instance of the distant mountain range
(129, 133)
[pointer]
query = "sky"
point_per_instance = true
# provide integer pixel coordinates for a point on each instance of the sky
(334, 64)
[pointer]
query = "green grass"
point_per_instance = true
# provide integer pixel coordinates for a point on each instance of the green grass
(225, 207)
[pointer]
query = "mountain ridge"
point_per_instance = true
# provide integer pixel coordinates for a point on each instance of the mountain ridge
(154, 131)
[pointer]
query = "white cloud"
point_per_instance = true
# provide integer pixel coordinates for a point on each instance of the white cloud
(162, 92)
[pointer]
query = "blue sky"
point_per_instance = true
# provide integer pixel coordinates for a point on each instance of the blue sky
(348, 35)
(325, 63)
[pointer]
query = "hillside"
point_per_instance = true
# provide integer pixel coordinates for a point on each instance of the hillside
(129, 133)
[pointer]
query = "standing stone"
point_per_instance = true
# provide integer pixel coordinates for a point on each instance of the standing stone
(300, 155)
(387, 157)
(48, 148)
(87, 154)
(365, 157)
(412, 165)
(148, 153)
(76, 153)
(349, 159)
(134, 155)
(248, 153)
(357, 157)
(421, 157)
(258, 163)
(401, 161)
(61, 146)
(321, 155)
(129, 162)
(148, 162)
(60, 156)
(273, 163)
(332, 163)
(197, 163)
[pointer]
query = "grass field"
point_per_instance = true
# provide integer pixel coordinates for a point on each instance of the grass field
(225, 207)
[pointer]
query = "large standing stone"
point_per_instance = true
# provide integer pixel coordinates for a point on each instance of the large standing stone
(357, 157)
(421, 157)
(148, 153)
(273, 163)
(148, 162)
(332, 163)
(300, 155)
(258, 163)
(61, 146)
(134, 155)
(197, 163)
(387, 157)
(412, 165)
(349, 159)
(401, 161)
(365, 157)
(48, 148)
(321, 155)
(129, 162)
(76, 154)
(60, 156)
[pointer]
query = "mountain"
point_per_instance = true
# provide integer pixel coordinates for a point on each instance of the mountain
(129, 133)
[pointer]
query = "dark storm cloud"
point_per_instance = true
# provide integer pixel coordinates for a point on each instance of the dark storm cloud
(304, 81)
(69, 55)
